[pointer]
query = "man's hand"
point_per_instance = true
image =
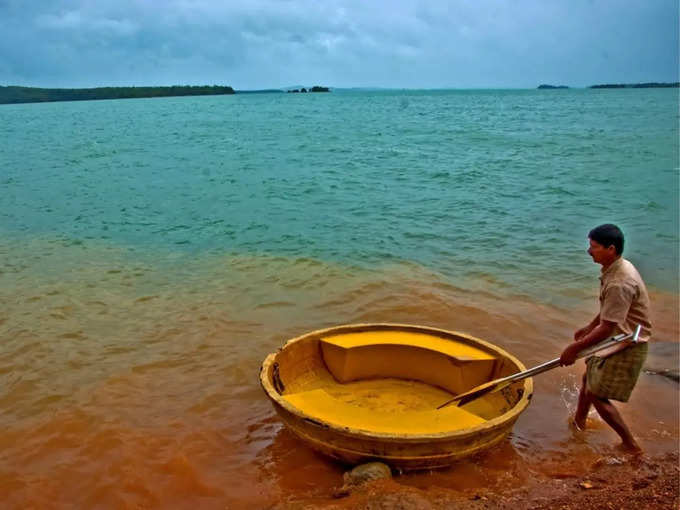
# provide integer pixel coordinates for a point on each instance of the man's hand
(592, 336)
(568, 356)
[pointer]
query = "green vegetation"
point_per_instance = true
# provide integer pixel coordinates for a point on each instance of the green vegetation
(313, 89)
(36, 95)
(619, 86)
(635, 85)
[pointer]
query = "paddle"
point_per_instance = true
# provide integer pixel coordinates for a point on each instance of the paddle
(499, 384)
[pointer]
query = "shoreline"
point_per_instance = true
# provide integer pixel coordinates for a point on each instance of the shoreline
(609, 482)
(16, 94)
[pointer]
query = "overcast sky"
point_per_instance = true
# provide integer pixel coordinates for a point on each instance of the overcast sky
(254, 44)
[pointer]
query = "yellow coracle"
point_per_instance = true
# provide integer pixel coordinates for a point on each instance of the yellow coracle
(370, 392)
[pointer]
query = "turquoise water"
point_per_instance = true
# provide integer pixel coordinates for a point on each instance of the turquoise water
(492, 184)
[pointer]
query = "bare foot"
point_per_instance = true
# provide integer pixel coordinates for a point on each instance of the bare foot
(631, 448)
(578, 428)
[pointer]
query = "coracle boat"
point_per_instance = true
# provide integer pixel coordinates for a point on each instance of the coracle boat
(368, 392)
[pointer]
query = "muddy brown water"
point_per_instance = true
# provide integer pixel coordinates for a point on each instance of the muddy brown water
(122, 388)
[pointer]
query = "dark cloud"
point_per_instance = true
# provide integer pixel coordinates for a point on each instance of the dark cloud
(273, 43)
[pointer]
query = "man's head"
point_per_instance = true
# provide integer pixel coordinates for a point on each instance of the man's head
(606, 243)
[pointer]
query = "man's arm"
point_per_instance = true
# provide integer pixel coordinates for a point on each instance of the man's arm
(613, 310)
(602, 331)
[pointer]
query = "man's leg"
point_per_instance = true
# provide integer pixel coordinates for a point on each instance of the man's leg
(583, 406)
(611, 415)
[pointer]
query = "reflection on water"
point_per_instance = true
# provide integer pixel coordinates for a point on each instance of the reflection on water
(129, 381)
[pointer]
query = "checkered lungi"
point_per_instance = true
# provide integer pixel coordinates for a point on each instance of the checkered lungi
(614, 377)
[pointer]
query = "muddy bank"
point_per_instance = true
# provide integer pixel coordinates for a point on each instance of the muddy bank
(611, 482)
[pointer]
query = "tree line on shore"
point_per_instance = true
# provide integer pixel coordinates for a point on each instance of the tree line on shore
(13, 94)
(315, 88)
(650, 85)
(16, 94)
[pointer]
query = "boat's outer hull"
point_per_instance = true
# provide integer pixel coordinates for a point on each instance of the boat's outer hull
(355, 448)
(399, 451)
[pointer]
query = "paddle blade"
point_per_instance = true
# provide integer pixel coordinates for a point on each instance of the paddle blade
(475, 393)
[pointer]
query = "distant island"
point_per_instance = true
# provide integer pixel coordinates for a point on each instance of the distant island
(13, 95)
(313, 89)
(260, 91)
(635, 85)
(651, 85)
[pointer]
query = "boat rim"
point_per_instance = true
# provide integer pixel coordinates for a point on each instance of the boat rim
(510, 415)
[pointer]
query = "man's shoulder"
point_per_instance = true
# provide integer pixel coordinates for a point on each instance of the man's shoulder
(627, 265)
(625, 271)
(626, 278)
(618, 274)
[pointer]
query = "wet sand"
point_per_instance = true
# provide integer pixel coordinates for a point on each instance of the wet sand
(130, 385)
(610, 483)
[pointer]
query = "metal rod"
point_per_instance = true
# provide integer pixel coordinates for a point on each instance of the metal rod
(492, 386)
(549, 365)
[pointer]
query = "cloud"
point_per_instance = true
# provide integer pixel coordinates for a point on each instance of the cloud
(272, 43)
(75, 21)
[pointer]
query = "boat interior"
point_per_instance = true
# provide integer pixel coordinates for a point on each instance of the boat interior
(392, 381)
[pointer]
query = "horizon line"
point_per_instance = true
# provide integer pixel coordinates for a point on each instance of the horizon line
(356, 87)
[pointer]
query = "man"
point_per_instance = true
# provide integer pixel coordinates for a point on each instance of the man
(611, 374)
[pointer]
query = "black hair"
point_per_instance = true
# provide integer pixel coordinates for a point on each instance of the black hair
(608, 235)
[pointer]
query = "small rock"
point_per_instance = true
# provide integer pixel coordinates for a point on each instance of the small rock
(586, 485)
(640, 484)
(608, 461)
(361, 474)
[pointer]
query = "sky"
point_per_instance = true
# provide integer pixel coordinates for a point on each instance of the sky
(258, 44)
